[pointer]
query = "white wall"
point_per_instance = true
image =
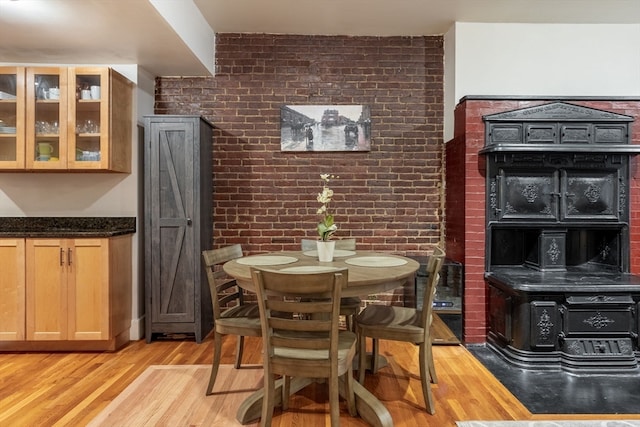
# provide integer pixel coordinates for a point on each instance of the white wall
(541, 60)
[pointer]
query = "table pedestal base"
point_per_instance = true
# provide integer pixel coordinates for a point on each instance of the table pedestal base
(369, 407)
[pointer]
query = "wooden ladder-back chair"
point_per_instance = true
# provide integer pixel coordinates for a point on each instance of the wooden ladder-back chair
(308, 343)
(404, 324)
(231, 315)
(349, 306)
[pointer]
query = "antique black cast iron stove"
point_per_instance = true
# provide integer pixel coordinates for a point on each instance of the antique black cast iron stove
(557, 245)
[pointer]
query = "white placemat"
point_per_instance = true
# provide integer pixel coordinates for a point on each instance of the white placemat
(308, 269)
(266, 260)
(336, 253)
(376, 261)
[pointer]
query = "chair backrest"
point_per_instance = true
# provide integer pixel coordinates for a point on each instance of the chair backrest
(344, 244)
(434, 265)
(224, 290)
(298, 328)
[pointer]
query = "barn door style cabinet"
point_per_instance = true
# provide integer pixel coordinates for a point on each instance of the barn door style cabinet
(178, 225)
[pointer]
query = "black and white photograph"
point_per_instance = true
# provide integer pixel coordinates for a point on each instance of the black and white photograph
(325, 128)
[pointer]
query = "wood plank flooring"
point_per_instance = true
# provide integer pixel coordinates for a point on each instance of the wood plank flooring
(70, 389)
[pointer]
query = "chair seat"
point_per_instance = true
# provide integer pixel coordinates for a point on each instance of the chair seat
(346, 342)
(391, 323)
(389, 317)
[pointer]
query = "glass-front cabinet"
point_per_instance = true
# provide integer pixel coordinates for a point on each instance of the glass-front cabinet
(12, 121)
(46, 102)
(89, 112)
(65, 118)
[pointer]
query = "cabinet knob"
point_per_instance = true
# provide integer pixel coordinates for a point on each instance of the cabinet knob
(189, 222)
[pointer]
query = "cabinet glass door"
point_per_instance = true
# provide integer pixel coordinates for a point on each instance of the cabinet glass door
(89, 113)
(12, 117)
(46, 118)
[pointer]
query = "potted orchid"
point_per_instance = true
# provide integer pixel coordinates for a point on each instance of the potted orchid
(327, 226)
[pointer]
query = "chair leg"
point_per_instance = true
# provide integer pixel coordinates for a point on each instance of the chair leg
(217, 351)
(432, 366)
(349, 393)
(239, 351)
(362, 356)
(334, 400)
(286, 392)
(268, 399)
(425, 380)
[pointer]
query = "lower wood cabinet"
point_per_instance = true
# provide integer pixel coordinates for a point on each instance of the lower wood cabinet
(72, 294)
(12, 290)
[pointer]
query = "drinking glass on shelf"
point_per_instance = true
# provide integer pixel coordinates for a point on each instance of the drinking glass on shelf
(44, 127)
(88, 126)
(91, 126)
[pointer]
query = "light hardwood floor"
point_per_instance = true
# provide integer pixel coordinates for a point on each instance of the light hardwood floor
(70, 389)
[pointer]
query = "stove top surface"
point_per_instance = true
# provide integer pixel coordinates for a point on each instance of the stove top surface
(573, 280)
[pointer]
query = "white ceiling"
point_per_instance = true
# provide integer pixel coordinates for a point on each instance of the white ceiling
(135, 32)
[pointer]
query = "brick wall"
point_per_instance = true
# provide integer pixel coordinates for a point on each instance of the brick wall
(466, 197)
(389, 199)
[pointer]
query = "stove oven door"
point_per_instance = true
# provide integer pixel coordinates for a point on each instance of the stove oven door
(592, 195)
(528, 195)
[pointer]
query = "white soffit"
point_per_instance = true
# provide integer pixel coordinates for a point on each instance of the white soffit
(189, 24)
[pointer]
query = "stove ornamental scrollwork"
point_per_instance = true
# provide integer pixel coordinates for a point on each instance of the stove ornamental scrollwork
(557, 240)
(598, 321)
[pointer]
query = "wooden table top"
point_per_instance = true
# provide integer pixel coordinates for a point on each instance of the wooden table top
(379, 272)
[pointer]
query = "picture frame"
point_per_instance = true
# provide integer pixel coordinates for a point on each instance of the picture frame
(325, 128)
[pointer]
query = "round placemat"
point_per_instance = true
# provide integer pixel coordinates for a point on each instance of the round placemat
(266, 260)
(376, 261)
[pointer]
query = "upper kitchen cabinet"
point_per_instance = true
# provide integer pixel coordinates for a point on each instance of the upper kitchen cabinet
(46, 124)
(100, 116)
(65, 119)
(12, 111)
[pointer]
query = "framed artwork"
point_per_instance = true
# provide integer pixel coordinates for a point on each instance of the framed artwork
(325, 128)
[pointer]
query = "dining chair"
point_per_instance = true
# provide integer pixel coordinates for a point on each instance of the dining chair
(349, 306)
(231, 315)
(403, 324)
(308, 343)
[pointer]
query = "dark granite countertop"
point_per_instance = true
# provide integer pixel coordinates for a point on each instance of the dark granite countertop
(66, 226)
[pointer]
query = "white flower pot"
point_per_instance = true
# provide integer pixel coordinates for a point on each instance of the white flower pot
(325, 250)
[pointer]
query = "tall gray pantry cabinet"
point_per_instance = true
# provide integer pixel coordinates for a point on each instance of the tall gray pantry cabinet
(178, 224)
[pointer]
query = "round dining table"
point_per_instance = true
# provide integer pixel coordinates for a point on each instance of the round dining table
(368, 273)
